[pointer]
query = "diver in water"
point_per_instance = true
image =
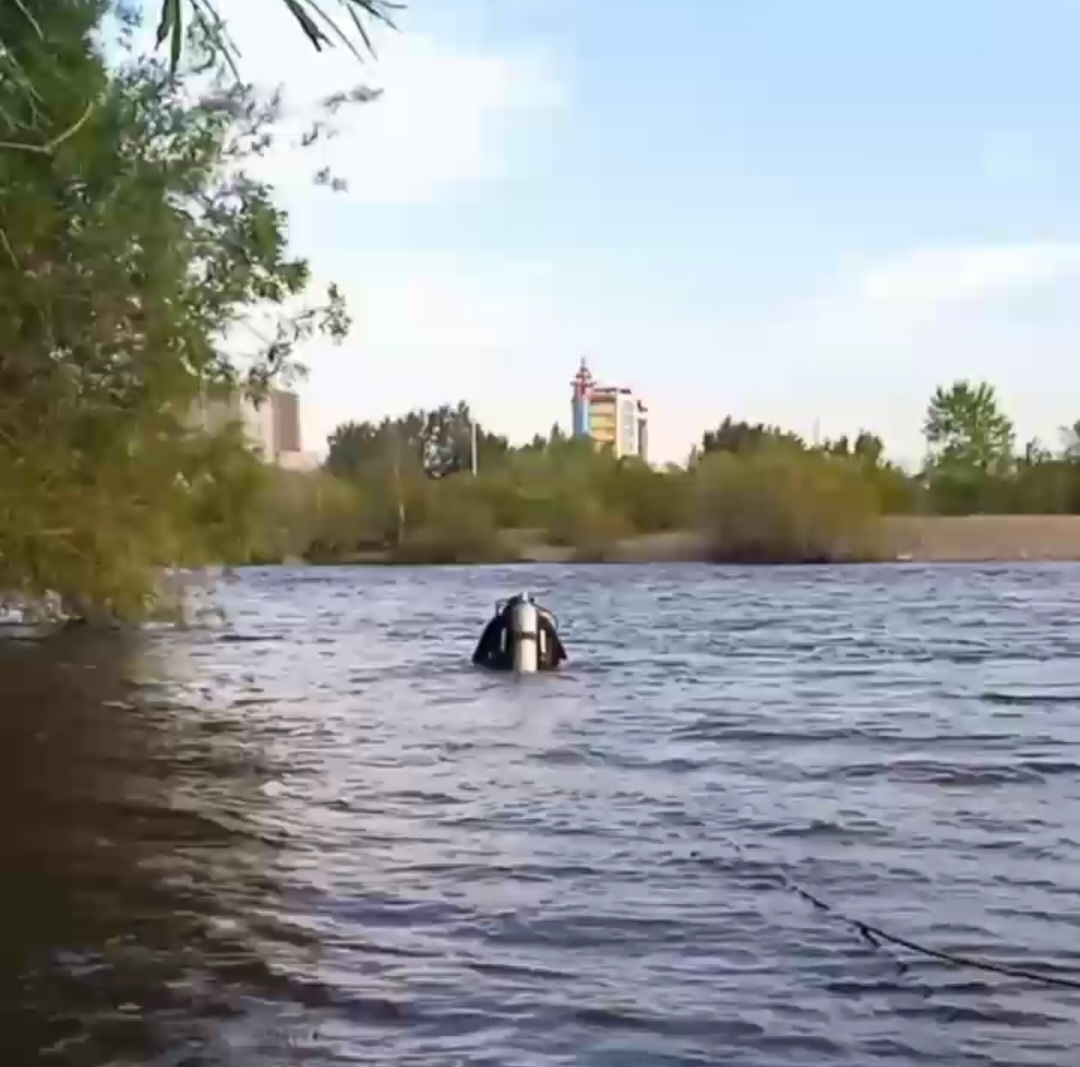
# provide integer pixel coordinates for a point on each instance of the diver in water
(521, 637)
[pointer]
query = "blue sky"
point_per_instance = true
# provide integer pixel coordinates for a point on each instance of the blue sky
(808, 211)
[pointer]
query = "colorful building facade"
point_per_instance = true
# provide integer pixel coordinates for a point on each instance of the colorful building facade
(612, 416)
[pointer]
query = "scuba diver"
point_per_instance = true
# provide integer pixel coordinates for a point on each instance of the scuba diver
(520, 637)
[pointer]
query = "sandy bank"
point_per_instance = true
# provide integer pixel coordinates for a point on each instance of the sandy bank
(929, 539)
(984, 538)
(926, 539)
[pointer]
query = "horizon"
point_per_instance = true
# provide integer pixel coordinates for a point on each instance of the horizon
(564, 428)
(811, 219)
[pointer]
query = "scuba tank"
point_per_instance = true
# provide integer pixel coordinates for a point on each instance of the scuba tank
(521, 637)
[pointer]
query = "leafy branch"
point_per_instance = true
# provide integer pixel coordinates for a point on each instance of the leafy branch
(317, 26)
(50, 146)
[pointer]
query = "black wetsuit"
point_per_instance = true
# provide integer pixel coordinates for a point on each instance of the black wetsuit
(495, 648)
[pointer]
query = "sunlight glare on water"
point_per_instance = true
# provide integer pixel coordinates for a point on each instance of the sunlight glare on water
(314, 834)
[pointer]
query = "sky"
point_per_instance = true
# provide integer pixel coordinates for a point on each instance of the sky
(807, 212)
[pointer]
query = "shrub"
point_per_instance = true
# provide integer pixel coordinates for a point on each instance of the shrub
(652, 501)
(585, 525)
(458, 530)
(309, 515)
(779, 505)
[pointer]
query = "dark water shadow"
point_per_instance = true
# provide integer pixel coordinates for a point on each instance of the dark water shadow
(138, 894)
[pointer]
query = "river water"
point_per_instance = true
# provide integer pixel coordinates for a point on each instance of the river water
(312, 834)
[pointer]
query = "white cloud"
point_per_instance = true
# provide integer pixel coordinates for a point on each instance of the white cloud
(892, 305)
(432, 328)
(428, 327)
(442, 121)
(866, 352)
(870, 346)
(932, 278)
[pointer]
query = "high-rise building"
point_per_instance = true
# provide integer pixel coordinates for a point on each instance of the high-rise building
(271, 427)
(613, 416)
(286, 409)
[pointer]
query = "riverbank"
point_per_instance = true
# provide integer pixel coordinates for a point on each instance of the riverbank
(983, 538)
(922, 538)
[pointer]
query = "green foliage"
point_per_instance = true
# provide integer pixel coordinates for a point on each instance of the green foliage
(589, 528)
(779, 505)
(652, 501)
(223, 488)
(742, 437)
(303, 515)
(867, 447)
(422, 502)
(132, 246)
(449, 521)
(966, 429)
(1042, 484)
(973, 469)
(455, 530)
(320, 30)
(436, 443)
(758, 493)
(896, 491)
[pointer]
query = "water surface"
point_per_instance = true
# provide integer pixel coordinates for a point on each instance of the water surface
(313, 834)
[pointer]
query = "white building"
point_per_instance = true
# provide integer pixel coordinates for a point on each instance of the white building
(613, 416)
(272, 427)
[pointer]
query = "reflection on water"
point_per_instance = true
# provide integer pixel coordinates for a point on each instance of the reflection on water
(314, 835)
(140, 897)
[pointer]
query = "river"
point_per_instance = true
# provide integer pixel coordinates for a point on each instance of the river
(311, 834)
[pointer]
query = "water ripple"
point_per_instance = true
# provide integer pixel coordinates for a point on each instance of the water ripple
(312, 834)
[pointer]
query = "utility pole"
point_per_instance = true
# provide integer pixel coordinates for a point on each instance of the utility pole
(473, 442)
(396, 440)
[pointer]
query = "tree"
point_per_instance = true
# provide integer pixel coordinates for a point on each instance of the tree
(744, 437)
(447, 441)
(779, 505)
(184, 24)
(131, 250)
(1035, 454)
(205, 18)
(358, 449)
(840, 447)
(966, 429)
(316, 25)
(869, 448)
(1070, 441)
(437, 443)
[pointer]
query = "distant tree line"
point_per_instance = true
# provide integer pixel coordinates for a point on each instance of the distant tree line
(971, 463)
(404, 486)
(134, 241)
